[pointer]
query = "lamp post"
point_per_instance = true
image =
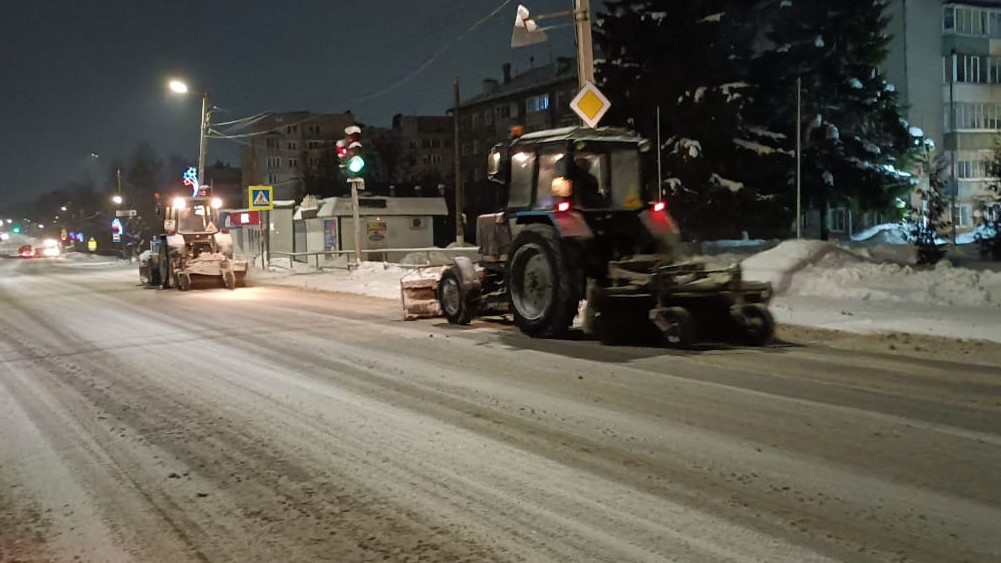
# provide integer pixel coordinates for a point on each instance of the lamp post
(203, 128)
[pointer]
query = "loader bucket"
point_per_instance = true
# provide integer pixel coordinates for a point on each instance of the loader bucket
(419, 290)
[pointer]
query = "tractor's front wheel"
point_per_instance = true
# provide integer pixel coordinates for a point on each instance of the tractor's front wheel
(456, 302)
(543, 285)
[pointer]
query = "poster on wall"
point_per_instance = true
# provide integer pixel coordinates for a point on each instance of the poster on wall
(330, 234)
(376, 231)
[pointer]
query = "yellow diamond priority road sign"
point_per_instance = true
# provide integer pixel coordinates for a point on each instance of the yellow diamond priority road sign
(590, 104)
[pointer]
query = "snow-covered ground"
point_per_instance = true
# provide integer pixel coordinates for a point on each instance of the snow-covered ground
(817, 283)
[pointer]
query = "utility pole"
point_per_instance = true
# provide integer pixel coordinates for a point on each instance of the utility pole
(585, 53)
(660, 180)
(460, 227)
(202, 137)
(953, 215)
(799, 158)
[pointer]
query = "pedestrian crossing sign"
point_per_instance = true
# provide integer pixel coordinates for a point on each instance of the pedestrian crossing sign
(261, 198)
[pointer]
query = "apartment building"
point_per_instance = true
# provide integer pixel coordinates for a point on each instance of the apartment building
(945, 61)
(427, 152)
(287, 146)
(538, 98)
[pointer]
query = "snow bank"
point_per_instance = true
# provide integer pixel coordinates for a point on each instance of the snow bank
(373, 279)
(887, 233)
(778, 265)
(817, 268)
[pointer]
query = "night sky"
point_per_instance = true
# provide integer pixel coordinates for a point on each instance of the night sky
(83, 76)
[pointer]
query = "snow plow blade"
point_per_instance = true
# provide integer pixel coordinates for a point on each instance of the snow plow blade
(419, 291)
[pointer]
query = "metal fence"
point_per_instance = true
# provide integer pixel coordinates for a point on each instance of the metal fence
(350, 264)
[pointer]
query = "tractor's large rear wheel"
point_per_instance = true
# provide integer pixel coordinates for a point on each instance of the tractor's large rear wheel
(544, 285)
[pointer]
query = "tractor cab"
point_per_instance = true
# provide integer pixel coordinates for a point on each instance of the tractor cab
(193, 216)
(572, 168)
(590, 185)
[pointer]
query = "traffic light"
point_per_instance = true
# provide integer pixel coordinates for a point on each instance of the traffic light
(349, 151)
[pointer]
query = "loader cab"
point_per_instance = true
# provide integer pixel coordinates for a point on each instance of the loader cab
(193, 215)
(578, 168)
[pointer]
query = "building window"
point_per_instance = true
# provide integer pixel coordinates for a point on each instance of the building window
(836, 220)
(969, 115)
(272, 179)
(293, 163)
(289, 129)
(272, 143)
(971, 168)
(965, 216)
(965, 21)
(435, 159)
(425, 143)
(274, 162)
(291, 146)
(435, 143)
(537, 103)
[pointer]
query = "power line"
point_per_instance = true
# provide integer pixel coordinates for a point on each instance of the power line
(434, 57)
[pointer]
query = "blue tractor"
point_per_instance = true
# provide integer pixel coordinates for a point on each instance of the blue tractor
(578, 221)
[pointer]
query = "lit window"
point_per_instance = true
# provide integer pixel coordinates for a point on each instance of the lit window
(537, 103)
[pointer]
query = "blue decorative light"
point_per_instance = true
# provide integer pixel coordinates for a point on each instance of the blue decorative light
(191, 179)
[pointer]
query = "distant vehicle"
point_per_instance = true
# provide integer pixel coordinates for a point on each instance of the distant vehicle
(26, 251)
(49, 249)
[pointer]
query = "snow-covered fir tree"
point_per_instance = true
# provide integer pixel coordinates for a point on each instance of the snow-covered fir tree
(930, 220)
(724, 72)
(855, 138)
(690, 58)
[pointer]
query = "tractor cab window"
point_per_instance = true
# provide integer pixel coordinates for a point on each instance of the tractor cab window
(522, 176)
(626, 179)
(588, 172)
(552, 164)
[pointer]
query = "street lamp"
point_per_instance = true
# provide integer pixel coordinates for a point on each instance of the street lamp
(182, 88)
(117, 199)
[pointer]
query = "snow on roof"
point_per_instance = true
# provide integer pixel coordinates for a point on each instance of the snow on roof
(613, 134)
(388, 206)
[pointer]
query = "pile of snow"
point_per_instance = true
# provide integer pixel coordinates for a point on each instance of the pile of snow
(374, 279)
(817, 268)
(981, 232)
(887, 233)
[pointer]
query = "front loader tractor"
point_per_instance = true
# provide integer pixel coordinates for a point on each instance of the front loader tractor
(193, 251)
(578, 221)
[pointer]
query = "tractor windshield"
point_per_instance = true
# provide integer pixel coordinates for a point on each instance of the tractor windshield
(198, 217)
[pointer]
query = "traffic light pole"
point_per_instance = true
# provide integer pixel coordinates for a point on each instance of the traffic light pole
(357, 215)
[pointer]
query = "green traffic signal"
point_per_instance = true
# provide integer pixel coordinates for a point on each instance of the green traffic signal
(356, 164)
(16, 230)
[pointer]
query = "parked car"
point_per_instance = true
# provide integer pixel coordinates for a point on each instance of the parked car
(26, 251)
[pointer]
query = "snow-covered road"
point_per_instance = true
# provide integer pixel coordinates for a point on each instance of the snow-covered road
(274, 424)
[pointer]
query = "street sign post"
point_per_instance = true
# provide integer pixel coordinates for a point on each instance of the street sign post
(590, 104)
(125, 213)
